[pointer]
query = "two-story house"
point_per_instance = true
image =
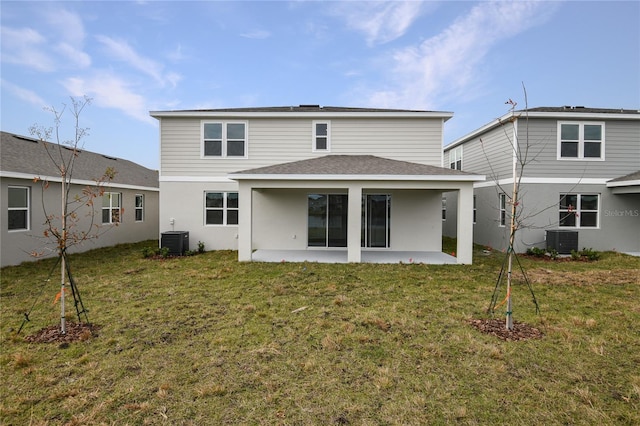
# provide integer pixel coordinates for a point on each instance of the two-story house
(30, 186)
(580, 184)
(328, 184)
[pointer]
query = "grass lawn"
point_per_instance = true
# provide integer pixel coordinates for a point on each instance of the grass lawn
(205, 340)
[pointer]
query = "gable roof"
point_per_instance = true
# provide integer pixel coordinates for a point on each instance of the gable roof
(367, 167)
(25, 157)
(626, 180)
(303, 111)
(562, 112)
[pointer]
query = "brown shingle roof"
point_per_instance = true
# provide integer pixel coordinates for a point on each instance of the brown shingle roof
(21, 154)
(353, 165)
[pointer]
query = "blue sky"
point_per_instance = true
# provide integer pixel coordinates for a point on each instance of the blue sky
(464, 57)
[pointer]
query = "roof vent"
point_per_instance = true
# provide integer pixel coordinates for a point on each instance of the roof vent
(109, 158)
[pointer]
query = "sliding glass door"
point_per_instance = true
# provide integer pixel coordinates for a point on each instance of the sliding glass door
(327, 220)
(376, 217)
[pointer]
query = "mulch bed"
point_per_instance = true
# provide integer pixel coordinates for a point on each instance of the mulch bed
(496, 327)
(76, 332)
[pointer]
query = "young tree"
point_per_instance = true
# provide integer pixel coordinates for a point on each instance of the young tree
(523, 156)
(75, 223)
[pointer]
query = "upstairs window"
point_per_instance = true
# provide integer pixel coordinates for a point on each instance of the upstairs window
(111, 207)
(18, 206)
(580, 141)
(321, 136)
(224, 139)
(455, 158)
(221, 208)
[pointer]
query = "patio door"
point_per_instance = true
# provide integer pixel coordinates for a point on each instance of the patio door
(327, 220)
(376, 218)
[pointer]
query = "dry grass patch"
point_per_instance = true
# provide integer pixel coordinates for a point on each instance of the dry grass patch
(22, 360)
(584, 277)
(209, 340)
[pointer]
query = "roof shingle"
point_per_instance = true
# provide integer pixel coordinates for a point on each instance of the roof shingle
(630, 177)
(21, 154)
(303, 108)
(583, 109)
(353, 165)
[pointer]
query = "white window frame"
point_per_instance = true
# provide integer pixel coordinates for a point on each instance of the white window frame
(502, 209)
(26, 209)
(579, 210)
(111, 208)
(314, 139)
(581, 141)
(139, 208)
(225, 208)
(224, 140)
(455, 158)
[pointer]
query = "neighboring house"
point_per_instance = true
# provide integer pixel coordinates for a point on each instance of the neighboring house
(130, 200)
(311, 183)
(581, 177)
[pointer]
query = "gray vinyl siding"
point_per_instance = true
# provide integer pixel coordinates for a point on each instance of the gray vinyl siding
(418, 141)
(622, 150)
(492, 156)
(17, 245)
(619, 215)
(621, 146)
(278, 140)
(180, 146)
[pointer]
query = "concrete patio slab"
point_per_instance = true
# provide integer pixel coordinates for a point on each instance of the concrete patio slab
(340, 256)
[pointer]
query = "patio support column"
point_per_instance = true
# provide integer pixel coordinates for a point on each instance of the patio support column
(245, 232)
(464, 252)
(354, 251)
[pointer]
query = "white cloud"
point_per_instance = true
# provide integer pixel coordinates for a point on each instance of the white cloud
(25, 94)
(173, 78)
(176, 54)
(36, 49)
(26, 47)
(257, 34)
(70, 31)
(381, 22)
(121, 50)
(75, 55)
(446, 64)
(68, 26)
(110, 91)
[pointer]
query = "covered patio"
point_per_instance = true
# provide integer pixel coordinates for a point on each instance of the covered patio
(278, 204)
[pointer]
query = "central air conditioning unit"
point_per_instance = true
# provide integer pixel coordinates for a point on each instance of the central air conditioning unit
(562, 241)
(176, 241)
